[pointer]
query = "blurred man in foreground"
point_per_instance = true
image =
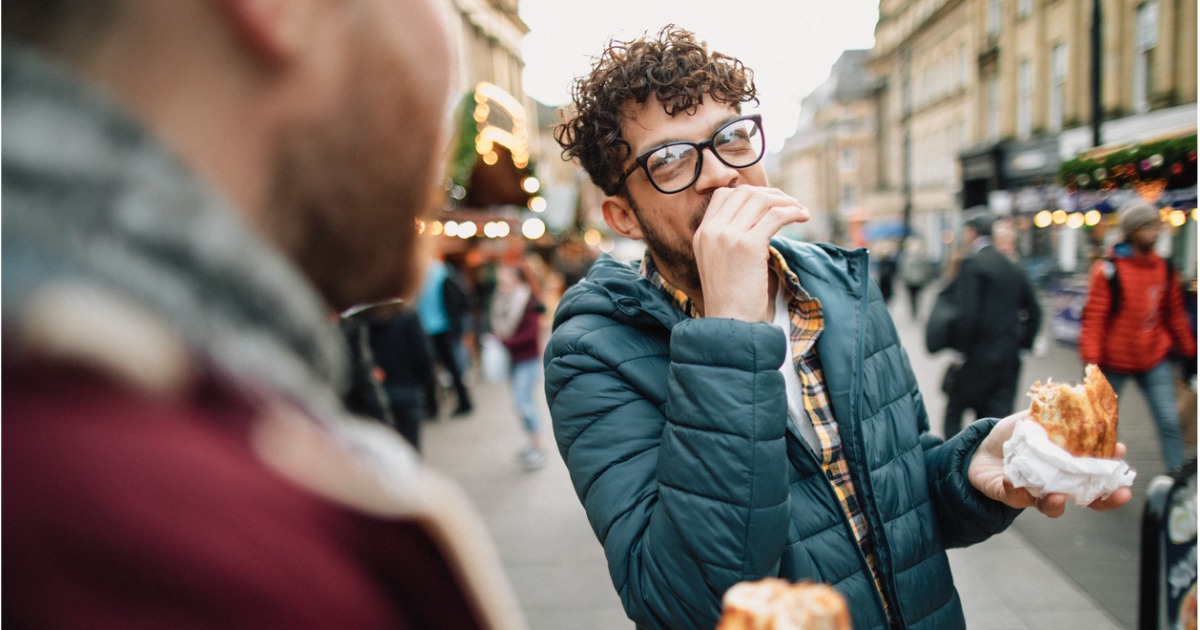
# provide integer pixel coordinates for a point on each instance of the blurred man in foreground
(190, 189)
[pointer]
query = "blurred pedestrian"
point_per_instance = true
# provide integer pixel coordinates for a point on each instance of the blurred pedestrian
(441, 306)
(998, 317)
(915, 271)
(400, 349)
(1134, 318)
(190, 190)
(885, 272)
(364, 395)
(515, 320)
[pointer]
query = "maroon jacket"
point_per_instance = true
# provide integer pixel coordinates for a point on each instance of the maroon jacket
(525, 342)
(127, 508)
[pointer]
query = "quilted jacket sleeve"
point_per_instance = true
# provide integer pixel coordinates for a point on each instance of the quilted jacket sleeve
(965, 516)
(683, 478)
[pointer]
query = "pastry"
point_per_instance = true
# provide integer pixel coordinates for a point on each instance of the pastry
(1082, 419)
(776, 604)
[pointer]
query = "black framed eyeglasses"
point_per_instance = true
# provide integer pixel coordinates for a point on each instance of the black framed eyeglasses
(673, 167)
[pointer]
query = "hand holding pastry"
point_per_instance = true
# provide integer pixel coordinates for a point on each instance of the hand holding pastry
(1064, 446)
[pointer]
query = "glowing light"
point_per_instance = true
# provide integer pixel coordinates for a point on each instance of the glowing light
(537, 204)
(1043, 219)
(1092, 217)
(1075, 220)
(530, 184)
(607, 246)
(495, 229)
(1178, 218)
(592, 237)
(1193, 214)
(481, 112)
(451, 228)
(1059, 217)
(533, 229)
(420, 225)
(490, 158)
(467, 229)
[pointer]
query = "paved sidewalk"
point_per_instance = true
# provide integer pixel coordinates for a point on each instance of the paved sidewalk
(558, 570)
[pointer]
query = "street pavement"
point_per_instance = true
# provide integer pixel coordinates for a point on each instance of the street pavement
(1076, 572)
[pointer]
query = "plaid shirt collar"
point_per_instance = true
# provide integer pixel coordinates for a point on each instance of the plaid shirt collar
(685, 304)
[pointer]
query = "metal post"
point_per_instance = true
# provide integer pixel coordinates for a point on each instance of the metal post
(1097, 34)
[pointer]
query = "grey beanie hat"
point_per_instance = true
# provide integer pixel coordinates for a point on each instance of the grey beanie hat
(1136, 214)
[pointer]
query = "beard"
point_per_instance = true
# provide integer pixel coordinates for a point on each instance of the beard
(673, 253)
(349, 190)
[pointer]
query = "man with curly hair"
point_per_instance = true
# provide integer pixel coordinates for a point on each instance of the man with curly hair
(736, 405)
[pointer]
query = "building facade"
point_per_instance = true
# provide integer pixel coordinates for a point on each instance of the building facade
(979, 103)
(832, 162)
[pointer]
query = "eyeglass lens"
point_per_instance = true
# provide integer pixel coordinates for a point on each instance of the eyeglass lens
(674, 167)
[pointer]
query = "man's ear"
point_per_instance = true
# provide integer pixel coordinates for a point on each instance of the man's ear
(271, 29)
(619, 216)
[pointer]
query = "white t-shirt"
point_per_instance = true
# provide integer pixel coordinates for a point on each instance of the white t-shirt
(791, 379)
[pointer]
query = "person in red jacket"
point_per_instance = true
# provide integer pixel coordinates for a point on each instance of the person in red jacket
(1134, 317)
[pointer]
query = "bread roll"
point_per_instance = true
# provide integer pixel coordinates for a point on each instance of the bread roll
(1082, 419)
(775, 604)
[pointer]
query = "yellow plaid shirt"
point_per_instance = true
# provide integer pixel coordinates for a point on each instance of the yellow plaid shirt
(807, 322)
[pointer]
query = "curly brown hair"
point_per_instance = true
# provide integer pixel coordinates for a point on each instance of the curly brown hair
(674, 68)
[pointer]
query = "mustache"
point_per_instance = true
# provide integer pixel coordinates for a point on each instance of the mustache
(699, 212)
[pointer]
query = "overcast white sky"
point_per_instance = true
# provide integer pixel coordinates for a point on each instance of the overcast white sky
(790, 44)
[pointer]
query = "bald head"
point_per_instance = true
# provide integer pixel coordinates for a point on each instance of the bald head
(323, 121)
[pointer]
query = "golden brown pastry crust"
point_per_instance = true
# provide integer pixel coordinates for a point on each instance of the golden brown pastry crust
(776, 604)
(1082, 419)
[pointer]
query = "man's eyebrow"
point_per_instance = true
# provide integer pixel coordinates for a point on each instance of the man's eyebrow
(654, 145)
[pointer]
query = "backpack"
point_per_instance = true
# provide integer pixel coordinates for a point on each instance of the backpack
(1114, 284)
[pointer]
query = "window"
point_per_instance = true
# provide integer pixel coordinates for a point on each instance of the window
(1024, 8)
(993, 108)
(1145, 43)
(848, 160)
(848, 199)
(993, 18)
(1025, 100)
(1058, 87)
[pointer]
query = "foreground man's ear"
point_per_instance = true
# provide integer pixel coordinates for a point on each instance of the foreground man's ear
(272, 29)
(619, 216)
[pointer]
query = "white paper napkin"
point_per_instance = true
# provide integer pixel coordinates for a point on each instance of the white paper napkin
(1033, 462)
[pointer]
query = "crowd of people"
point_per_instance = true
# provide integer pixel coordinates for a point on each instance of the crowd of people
(223, 332)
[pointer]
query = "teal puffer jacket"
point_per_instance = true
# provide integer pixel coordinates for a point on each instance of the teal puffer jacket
(676, 436)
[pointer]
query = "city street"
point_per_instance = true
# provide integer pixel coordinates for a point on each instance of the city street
(1076, 572)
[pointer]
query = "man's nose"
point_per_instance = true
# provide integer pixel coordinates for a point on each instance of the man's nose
(714, 173)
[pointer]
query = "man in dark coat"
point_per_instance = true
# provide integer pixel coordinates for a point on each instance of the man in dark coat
(998, 317)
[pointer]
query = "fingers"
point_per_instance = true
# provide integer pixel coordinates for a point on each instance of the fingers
(1120, 451)
(1114, 500)
(1052, 505)
(747, 209)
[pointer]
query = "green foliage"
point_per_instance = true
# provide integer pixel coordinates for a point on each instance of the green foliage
(1172, 161)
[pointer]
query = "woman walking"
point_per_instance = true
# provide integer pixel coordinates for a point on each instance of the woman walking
(514, 319)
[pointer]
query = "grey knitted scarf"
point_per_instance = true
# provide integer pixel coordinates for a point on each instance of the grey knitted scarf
(91, 196)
